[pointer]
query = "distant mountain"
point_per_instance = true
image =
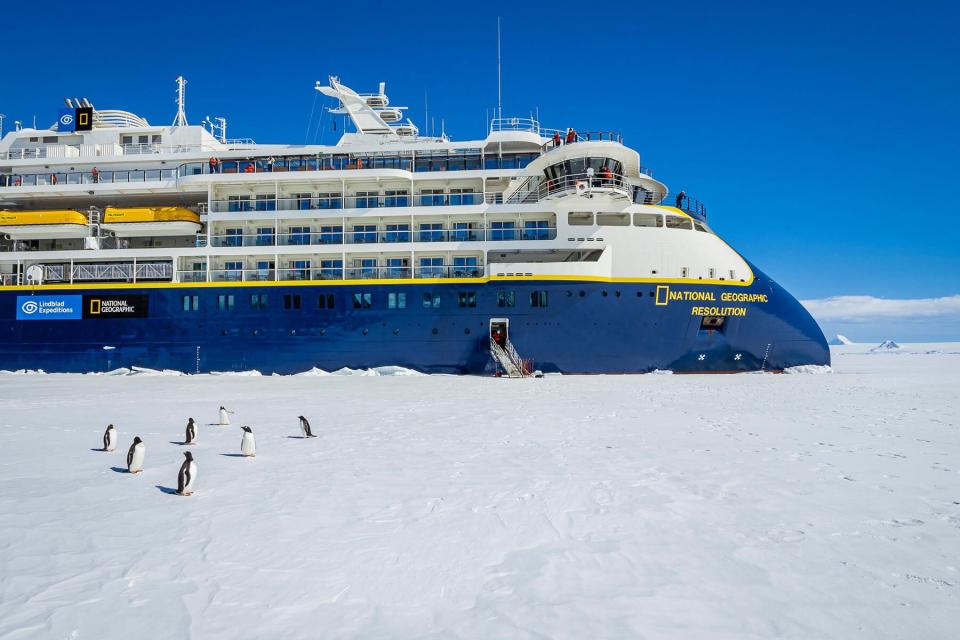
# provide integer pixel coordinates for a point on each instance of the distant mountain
(886, 345)
(840, 339)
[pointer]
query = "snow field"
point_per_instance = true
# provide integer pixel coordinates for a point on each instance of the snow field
(747, 506)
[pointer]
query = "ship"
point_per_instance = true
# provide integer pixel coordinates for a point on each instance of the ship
(527, 250)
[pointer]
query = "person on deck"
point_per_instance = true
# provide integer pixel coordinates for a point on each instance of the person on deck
(606, 176)
(680, 198)
(95, 174)
(557, 140)
(249, 168)
(571, 136)
(214, 164)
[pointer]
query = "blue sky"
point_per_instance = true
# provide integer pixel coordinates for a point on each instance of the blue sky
(822, 136)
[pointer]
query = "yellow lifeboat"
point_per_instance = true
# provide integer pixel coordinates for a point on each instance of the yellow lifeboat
(150, 221)
(38, 225)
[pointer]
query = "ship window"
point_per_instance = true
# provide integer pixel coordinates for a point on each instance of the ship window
(126, 139)
(647, 220)
(191, 303)
(538, 298)
(580, 218)
(684, 272)
(258, 301)
(676, 222)
(431, 300)
(397, 300)
(711, 323)
(503, 230)
(712, 273)
(143, 139)
(613, 219)
(362, 300)
(325, 301)
(50, 139)
(291, 301)
(506, 298)
(156, 139)
(733, 274)
(699, 226)
(225, 303)
(467, 299)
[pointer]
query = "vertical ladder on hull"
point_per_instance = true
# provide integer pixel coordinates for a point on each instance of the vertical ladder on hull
(508, 358)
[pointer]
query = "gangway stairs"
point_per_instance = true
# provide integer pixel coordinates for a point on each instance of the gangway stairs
(509, 360)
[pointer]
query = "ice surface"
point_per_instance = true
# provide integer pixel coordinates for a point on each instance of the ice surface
(735, 506)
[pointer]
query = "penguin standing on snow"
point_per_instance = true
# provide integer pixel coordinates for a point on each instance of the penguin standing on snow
(305, 428)
(191, 436)
(224, 416)
(248, 446)
(110, 438)
(187, 475)
(135, 456)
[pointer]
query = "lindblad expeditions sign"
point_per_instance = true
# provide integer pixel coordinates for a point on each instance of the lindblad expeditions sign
(77, 307)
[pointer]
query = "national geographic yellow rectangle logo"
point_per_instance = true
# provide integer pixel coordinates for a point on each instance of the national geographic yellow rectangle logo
(663, 295)
(95, 307)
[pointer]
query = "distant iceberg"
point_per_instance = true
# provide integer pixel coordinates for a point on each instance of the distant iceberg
(886, 345)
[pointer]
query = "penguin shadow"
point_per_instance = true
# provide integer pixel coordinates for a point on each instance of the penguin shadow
(170, 491)
(233, 455)
(100, 450)
(119, 469)
(180, 443)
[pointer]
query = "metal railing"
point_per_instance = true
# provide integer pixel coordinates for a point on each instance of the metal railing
(93, 272)
(336, 202)
(9, 279)
(333, 273)
(538, 188)
(390, 236)
(52, 151)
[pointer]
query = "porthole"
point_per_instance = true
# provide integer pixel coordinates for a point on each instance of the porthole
(569, 293)
(639, 294)
(435, 331)
(323, 332)
(604, 294)
(616, 294)
(582, 293)
(256, 332)
(396, 332)
(366, 331)
(466, 331)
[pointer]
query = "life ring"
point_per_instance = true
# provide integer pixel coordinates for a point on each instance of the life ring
(581, 187)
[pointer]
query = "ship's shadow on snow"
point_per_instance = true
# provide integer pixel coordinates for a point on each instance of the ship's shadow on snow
(166, 490)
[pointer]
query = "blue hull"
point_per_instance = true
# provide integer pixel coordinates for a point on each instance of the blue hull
(585, 327)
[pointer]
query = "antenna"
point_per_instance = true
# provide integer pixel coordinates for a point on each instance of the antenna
(426, 110)
(2, 116)
(499, 82)
(181, 119)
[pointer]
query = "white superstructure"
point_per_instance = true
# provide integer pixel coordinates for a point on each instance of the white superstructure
(132, 202)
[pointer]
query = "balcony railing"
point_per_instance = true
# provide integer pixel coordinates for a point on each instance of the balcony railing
(336, 202)
(292, 239)
(333, 273)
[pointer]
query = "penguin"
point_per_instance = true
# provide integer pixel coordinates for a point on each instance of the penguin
(191, 436)
(110, 438)
(224, 416)
(305, 428)
(248, 446)
(135, 456)
(187, 475)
